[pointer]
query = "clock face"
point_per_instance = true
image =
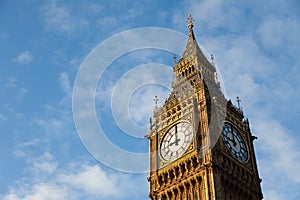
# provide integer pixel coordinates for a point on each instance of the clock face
(234, 142)
(176, 141)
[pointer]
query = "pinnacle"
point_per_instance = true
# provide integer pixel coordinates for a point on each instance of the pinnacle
(192, 49)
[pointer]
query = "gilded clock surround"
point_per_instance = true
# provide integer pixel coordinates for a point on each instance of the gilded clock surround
(176, 141)
(206, 170)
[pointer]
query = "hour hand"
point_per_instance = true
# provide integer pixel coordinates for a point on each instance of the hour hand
(232, 140)
(175, 141)
(172, 143)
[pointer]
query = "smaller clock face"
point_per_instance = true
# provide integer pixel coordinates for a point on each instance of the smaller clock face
(176, 141)
(234, 142)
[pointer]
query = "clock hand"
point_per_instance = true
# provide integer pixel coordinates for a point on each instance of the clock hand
(175, 141)
(176, 136)
(172, 143)
(232, 140)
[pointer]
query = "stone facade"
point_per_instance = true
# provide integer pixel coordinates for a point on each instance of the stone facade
(209, 160)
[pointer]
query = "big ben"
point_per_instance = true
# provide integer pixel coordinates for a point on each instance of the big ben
(201, 145)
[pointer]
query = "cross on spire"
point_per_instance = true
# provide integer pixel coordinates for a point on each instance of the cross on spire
(190, 21)
(238, 100)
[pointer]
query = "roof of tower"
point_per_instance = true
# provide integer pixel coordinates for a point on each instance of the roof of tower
(192, 49)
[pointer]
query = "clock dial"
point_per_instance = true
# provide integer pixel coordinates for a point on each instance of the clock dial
(176, 141)
(234, 142)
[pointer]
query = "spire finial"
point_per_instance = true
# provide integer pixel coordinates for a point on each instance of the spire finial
(174, 59)
(155, 101)
(174, 75)
(190, 21)
(238, 100)
(212, 59)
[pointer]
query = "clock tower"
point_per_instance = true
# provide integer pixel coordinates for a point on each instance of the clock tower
(201, 146)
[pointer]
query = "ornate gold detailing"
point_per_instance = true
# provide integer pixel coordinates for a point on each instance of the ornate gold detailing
(190, 21)
(206, 170)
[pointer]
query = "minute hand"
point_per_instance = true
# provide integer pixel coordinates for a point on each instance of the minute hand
(176, 139)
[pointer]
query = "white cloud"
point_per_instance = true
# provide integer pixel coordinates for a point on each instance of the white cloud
(44, 174)
(141, 103)
(280, 34)
(11, 197)
(50, 125)
(273, 194)
(65, 83)
(57, 17)
(93, 180)
(11, 83)
(22, 93)
(132, 96)
(76, 62)
(2, 117)
(279, 148)
(105, 21)
(60, 18)
(215, 14)
(44, 163)
(23, 58)
(47, 192)
(38, 191)
(74, 181)
(95, 8)
(21, 150)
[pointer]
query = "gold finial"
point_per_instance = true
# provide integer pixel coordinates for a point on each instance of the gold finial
(190, 21)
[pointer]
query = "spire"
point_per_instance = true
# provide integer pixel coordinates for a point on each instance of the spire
(190, 25)
(192, 49)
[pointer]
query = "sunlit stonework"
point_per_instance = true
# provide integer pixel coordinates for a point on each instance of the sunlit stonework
(201, 146)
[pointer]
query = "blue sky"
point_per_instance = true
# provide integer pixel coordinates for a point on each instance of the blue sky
(256, 47)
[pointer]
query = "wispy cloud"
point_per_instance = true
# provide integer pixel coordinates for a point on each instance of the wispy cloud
(57, 17)
(100, 183)
(48, 179)
(23, 58)
(64, 19)
(11, 83)
(280, 34)
(132, 96)
(95, 7)
(2, 117)
(280, 150)
(22, 92)
(65, 83)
